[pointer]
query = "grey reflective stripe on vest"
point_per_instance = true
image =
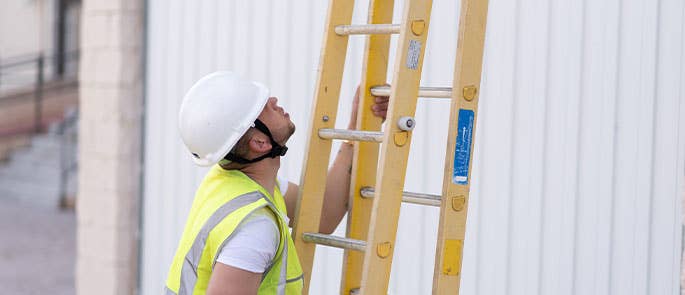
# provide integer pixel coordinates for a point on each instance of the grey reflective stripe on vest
(192, 259)
(284, 254)
(284, 270)
(282, 279)
(168, 291)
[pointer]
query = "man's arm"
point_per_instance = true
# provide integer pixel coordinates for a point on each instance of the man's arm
(230, 280)
(336, 195)
(337, 192)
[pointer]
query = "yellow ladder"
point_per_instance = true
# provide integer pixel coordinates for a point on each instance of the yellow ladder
(377, 183)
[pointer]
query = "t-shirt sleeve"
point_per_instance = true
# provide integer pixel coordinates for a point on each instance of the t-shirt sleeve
(282, 184)
(253, 245)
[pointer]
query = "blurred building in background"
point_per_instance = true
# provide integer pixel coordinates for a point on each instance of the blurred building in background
(579, 166)
(39, 57)
(30, 29)
(39, 60)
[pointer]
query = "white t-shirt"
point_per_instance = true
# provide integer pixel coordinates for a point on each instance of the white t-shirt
(253, 245)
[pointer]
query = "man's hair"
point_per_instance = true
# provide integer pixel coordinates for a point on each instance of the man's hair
(241, 149)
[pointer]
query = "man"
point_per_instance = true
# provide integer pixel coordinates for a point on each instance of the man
(236, 239)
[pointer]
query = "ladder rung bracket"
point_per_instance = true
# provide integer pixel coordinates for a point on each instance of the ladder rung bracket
(408, 197)
(334, 241)
(356, 135)
(367, 29)
(432, 92)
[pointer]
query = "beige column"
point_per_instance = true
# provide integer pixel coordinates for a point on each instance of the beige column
(111, 108)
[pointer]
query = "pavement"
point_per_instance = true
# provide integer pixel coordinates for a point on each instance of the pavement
(37, 238)
(37, 248)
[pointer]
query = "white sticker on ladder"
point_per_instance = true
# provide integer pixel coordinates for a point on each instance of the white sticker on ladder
(413, 54)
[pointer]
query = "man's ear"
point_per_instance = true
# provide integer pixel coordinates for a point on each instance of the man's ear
(259, 144)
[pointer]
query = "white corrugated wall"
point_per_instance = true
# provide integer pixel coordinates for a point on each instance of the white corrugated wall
(580, 144)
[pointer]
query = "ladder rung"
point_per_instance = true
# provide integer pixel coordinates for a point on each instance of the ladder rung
(434, 92)
(373, 136)
(334, 241)
(367, 29)
(408, 197)
(354, 291)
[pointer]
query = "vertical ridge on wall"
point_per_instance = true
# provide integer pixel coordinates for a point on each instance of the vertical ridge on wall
(680, 187)
(527, 123)
(149, 218)
(187, 39)
(614, 177)
(651, 31)
(584, 125)
(262, 41)
(619, 259)
(495, 183)
(224, 50)
(562, 158)
(586, 173)
(546, 167)
(573, 121)
(537, 287)
(667, 175)
(653, 155)
(607, 74)
(172, 212)
(514, 150)
(635, 109)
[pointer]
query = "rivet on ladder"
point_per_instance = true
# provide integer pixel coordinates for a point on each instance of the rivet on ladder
(469, 92)
(325, 118)
(417, 27)
(401, 138)
(458, 203)
(383, 249)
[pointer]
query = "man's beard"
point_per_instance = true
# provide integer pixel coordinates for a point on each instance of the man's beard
(288, 133)
(291, 129)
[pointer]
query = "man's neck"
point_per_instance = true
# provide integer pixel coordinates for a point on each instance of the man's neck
(264, 173)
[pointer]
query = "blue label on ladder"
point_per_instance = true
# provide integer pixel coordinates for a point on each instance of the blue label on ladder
(462, 151)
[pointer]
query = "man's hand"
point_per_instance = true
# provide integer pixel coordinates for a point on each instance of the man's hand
(338, 180)
(379, 108)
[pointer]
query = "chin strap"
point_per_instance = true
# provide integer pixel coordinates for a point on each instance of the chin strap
(277, 150)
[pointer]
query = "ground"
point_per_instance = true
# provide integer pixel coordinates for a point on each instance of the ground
(37, 249)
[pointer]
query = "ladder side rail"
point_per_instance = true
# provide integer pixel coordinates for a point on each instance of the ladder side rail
(395, 148)
(463, 113)
(365, 161)
(325, 108)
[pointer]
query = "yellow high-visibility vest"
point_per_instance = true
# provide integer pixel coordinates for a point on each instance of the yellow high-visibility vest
(223, 200)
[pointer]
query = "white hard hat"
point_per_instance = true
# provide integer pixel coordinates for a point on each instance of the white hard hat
(216, 112)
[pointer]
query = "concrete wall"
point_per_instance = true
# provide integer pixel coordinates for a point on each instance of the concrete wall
(29, 28)
(111, 104)
(579, 149)
(23, 31)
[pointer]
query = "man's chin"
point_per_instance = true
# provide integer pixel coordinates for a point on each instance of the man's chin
(291, 129)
